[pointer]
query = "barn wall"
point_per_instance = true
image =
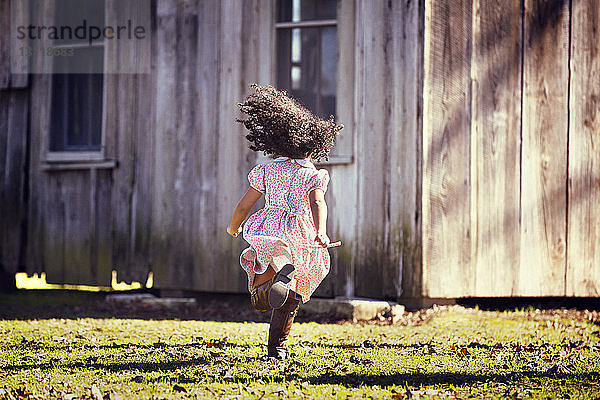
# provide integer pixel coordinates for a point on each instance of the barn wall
(510, 182)
(473, 126)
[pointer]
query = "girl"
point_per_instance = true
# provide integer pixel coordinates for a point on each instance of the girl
(288, 257)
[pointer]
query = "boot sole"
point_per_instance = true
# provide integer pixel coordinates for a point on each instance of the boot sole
(280, 289)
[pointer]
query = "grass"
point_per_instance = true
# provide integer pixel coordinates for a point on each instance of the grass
(457, 354)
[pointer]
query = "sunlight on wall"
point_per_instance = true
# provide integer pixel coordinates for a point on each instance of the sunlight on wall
(39, 282)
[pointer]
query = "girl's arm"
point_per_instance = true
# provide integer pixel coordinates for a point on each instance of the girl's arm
(242, 210)
(319, 213)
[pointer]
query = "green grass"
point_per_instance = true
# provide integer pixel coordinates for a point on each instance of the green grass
(458, 354)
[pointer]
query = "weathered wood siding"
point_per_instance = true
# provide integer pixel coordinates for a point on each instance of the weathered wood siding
(495, 145)
(510, 171)
(583, 213)
(181, 159)
(447, 237)
(14, 109)
(387, 163)
(473, 128)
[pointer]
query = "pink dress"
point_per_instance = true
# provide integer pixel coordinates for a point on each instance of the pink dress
(283, 232)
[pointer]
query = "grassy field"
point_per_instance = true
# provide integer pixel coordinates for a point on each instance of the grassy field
(459, 353)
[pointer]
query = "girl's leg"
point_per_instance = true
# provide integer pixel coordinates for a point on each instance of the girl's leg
(280, 326)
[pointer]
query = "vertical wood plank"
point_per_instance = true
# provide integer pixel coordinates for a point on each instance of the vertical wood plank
(14, 180)
(164, 139)
(52, 231)
(37, 184)
(446, 150)
(5, 44)
(232, 146)
(340, 200)
(583, 266)
(544, 148)
(19, 65)
(496, 107)
(205, 227)
(40, 182)
(76, 187)
(4, 193)
(405, 65)
(372, 118)
(185, 189)
(129, 123)
(102, 256)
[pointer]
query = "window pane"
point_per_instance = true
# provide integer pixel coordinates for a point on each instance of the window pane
(76, 120)
(284, 65)
(307, 68)
(328, 71)
(308, 86)
(306, 10)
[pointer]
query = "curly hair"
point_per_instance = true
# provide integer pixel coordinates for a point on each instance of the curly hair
(281, 126)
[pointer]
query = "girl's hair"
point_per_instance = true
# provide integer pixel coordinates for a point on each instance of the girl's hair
(279, 125)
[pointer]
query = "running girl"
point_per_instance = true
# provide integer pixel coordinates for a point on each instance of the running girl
(288, 257)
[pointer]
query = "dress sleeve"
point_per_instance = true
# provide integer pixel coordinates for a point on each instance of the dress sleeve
(319, 180)
(256, 177)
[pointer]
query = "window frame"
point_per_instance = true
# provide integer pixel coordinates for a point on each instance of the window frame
(344, 152)
(79, 156)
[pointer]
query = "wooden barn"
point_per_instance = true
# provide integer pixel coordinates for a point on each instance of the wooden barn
(469, 165)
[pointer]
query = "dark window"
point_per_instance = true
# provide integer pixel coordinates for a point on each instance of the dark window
(307, 52)
(76, 112)
(76, 109)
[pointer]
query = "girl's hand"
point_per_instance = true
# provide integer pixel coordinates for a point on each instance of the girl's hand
(322, 239)
(234, 232)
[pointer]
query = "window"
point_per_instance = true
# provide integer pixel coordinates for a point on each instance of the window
(77, 83)
(314, 62)
(307, 52)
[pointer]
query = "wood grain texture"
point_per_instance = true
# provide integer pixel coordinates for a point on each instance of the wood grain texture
(4, 189)
(164, 222)
(446, 150)
(405, 49)
(76, 187)
(206, 118)
(131, 137)
(13, 149)
(102, 247)
(4, 44)
(583, 262)
(39, 181)
(495, 145)
(544, 148)
(341, 200)
(19, 16)
(232, 146)
(372, 116)
(53, 229)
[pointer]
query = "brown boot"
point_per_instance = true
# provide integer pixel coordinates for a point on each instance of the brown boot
(281, 323)
(260, 296)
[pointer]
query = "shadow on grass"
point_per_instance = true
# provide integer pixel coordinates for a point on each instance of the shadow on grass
(113, 367)
(220, 365)
(433, 378)
(209, 344)
(26, 305)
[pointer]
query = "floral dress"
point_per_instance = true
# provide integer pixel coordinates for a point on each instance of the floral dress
(283, 232)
